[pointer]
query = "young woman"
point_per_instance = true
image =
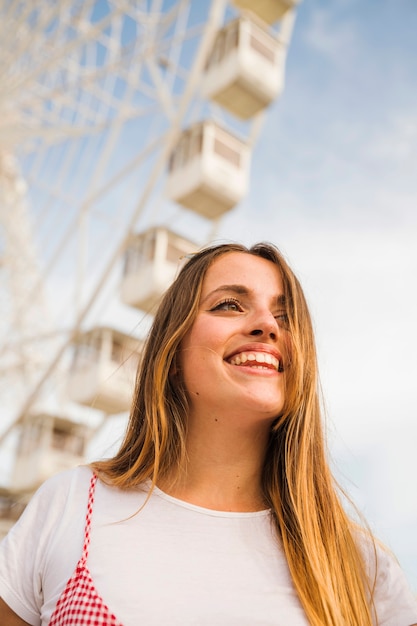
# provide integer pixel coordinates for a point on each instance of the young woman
(219, 508)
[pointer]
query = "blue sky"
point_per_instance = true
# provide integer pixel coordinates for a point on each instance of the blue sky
(334, 185)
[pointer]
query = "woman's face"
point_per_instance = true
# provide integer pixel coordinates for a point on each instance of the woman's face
(234, 356)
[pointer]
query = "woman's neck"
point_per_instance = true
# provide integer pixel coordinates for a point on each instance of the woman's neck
(223, 472)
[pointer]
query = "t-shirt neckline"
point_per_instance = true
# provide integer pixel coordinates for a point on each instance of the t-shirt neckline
(205, 511)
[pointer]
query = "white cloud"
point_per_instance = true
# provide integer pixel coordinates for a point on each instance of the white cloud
(396, 141)
(336, 40)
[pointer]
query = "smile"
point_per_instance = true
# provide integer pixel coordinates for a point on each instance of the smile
(260, 360)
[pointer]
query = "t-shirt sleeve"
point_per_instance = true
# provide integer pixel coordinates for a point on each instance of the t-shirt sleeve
(394, 602)
(23, 550)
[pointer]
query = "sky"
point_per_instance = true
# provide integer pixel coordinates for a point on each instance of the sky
(334, 184)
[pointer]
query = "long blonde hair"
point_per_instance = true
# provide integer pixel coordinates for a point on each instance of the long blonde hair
(319, 539)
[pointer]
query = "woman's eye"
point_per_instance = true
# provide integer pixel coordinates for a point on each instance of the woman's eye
(282, 320)
(228, 305)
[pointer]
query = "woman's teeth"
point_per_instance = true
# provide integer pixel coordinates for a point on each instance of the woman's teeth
(255, 359)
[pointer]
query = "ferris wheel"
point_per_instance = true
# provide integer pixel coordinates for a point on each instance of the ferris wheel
(118, 120)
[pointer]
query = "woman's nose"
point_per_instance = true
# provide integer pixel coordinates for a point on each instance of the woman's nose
(260, 332)
(266, 326)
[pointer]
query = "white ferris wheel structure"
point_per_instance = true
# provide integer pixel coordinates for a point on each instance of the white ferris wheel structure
(104, 104)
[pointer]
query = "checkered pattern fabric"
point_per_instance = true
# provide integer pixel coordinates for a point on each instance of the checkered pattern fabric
(80, 604)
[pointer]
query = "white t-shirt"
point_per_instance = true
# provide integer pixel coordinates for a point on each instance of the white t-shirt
(171, 563)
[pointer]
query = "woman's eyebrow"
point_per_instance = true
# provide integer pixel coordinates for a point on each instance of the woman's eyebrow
(240, 290)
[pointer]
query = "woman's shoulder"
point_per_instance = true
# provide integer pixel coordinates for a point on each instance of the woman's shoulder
(68, 479)
(379, 560)
(60, 487)
(56, 495)
(392, 595)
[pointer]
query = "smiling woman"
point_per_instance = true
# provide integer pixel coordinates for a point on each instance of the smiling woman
(232, 358)
(219, 507)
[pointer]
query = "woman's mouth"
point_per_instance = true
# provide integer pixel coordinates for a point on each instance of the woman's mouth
(259, 360)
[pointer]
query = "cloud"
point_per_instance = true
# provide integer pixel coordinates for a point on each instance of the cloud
(396, 142)
(337, 41)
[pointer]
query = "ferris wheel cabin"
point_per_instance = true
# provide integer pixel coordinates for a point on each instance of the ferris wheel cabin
(208, 170)
(47, 444)
(269, 11)
(103, 370)
(151, 262)
(246, 68)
